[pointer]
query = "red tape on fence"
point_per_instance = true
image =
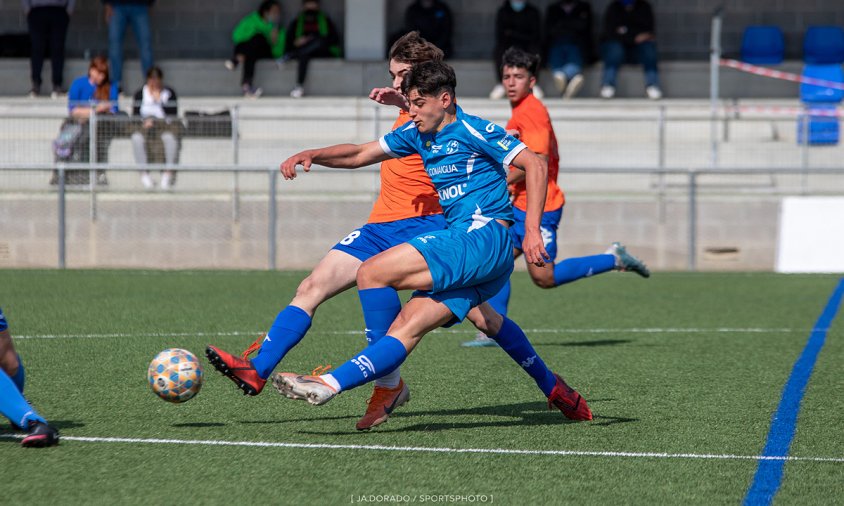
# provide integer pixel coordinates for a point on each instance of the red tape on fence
(783, 111)
(778, 74)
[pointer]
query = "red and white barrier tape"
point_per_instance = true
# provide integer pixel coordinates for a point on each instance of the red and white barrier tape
(783, 111)
(778, 74)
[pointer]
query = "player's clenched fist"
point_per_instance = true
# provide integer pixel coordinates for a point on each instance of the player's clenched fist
(288, 167)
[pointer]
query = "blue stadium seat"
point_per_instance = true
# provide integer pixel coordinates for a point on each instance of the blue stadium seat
(822, 94)
(821, 130)
(823, 45)
(762, 45)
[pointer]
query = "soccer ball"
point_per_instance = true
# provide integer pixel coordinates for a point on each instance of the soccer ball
(175, 375)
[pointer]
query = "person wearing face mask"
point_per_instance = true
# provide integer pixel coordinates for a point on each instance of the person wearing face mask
(517, 24)
(433, 20)
(257, 36)
(311, 34)
(568, 32)
(629, 37)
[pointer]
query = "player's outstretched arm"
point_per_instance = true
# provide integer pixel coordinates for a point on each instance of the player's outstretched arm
(341, 156)
(536, 185)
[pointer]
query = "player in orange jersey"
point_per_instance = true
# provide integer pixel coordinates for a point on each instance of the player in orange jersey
(531, 123)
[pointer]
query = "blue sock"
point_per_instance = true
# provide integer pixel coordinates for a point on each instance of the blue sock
(288, 329)
(12, 404)
(20, 376)
(501, 300)
(380, 307)
(572, 269)
(516, 344)
(374, 361)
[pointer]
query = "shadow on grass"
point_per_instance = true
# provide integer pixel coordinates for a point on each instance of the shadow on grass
(599, 342)
(525, 414)
(199, 424)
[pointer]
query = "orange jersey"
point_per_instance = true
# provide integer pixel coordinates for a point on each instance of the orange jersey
(531, 119)
(406, 188)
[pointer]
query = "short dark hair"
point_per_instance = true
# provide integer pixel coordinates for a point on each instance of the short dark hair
(412, 48)
(155, 72)
(519, 58)
(430, 79)
(266, 5)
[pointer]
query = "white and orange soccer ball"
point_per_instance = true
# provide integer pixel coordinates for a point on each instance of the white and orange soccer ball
(175, 375)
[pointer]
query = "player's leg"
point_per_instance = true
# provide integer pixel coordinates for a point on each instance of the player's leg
(512, 339)
(12, 403)
(418, 317)
(334, 274)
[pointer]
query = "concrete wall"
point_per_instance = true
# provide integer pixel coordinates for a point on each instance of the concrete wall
(190, 29)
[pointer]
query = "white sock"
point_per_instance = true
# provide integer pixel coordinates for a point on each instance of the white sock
(328, 378)
(389, 380)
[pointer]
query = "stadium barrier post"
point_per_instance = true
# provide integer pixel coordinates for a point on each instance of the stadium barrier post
(714, 82)
(661, 161)
(92, 159)
(692, 219)
(376, 122)
(271, 220)
(804, 151)
(61, 211)
(236, 160)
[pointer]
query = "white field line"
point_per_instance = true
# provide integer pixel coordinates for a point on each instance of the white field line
(424, 449)
(656, 330)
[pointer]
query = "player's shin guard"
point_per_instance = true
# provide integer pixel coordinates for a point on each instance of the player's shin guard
(380, 307)
(20, 377)
(13, 406)
(374, 361)
(288, 329)
(501, 300)
(513, 340)
(572, 269)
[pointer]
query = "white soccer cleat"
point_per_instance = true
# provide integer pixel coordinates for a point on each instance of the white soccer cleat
(303, 387)
(498, 92)
(607, 91)
(626, 262)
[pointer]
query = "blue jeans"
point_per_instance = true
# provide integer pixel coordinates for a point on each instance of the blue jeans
(614, 54)
(565, 57)
(138, 16)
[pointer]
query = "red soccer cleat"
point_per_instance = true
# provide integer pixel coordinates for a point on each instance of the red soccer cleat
(382, 403)
(567, 400)
(237, 369)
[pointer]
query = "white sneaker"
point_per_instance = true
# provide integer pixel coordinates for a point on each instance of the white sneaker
(560, 81)
(230, 64)
(607, 91)
(298, 92)
(303, 387)
(654, 93)
(147, 181)
(538, 93)
(498, 92)
(574, 86)
(166, 181)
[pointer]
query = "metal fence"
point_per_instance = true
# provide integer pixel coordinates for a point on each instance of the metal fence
(639, 173)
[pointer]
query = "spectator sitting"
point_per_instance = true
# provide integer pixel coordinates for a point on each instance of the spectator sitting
(311, 34)
(432, 19)
(257, 36)
(568, 31)
(517, 24)
(158, 138)
(119, 14)
(93, 93)
(629, 36)
(47, 20)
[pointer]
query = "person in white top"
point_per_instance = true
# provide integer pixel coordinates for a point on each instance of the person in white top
(160, 129)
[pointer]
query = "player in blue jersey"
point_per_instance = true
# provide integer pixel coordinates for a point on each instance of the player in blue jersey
(12, 403)
(452, 270)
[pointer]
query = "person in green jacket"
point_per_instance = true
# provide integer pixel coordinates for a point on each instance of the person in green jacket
(258, 35)
(311, 34)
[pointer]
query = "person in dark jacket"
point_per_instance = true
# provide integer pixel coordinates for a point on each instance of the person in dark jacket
(433, 20)
(119, 14)
(47, 21)
(257, 36)
(517, 24)
(568, 31)
(629, 37)
(311, 34)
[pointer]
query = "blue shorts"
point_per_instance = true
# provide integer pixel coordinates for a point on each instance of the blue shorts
(3, 324)
(547, 226)
(467, 268)
(373, 238)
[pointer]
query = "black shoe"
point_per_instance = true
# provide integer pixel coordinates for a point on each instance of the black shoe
(40, 435)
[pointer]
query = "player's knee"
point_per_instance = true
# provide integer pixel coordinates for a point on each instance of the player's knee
(544, 282)
(369, 275)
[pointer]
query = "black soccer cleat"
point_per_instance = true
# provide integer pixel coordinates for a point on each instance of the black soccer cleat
(40, 435)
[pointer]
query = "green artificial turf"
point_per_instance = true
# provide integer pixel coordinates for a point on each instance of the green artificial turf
(678, 363)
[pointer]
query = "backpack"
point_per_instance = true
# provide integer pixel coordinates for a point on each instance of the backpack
(71, 145)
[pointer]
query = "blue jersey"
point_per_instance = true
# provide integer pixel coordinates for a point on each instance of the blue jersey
(467, 161)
